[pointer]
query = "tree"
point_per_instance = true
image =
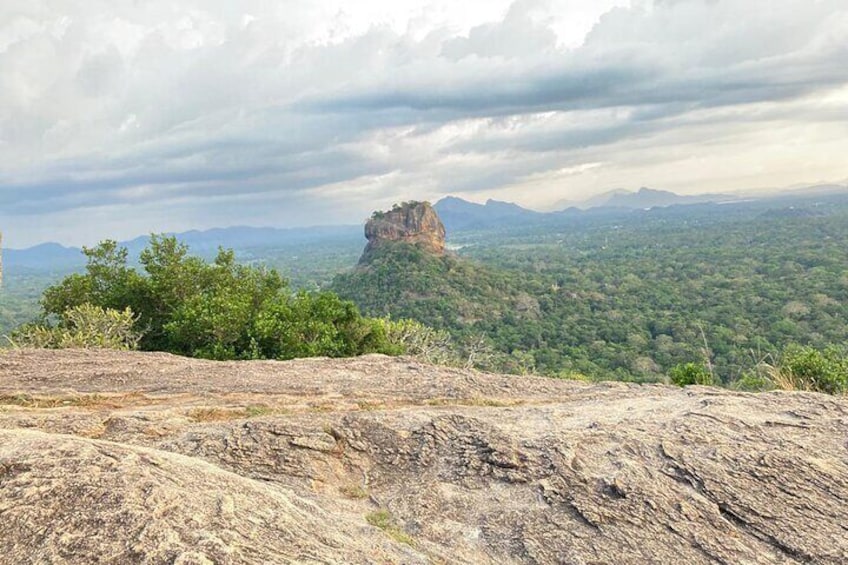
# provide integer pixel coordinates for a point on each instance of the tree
(218, 310)
(108, 282)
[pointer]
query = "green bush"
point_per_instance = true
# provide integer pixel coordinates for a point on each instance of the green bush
(321, 324)
(409, 337)
(34, 336)
(754, 381)
(184, 305)
(810, 369)
(84, 326)
(690, 374)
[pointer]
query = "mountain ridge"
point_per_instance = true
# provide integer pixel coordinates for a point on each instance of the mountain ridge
(456, 213)
(57, 257)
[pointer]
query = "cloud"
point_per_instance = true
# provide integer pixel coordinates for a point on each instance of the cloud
(633, 57)
(199, 111)
(519, 35)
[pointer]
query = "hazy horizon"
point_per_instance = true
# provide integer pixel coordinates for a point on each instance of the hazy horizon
(121, 118)
(739, 196)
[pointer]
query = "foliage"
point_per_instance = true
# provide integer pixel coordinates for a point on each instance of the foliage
(380, 214)
(690, 374)
(406, 205)
(754, 380)
(420, 341)
(83, 326)
(405, 282)
(808, 369)
(19, 298)
(217, 310)
(610, 295)
(317, 324)
(629, 295)
(408, 337)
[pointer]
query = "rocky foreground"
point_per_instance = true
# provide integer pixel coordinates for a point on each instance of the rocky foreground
(149, 458)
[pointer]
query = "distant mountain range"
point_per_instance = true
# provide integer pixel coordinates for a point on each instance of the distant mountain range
(47, 256)
(457, 215)
(58, 258)
(645, 198)
(650, 198)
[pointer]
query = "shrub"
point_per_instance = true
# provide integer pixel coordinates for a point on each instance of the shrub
(84, 326)
(690, 374)
(408, 337)
(34, 336)
(810, 369)
(569, 375)
(322, 324)
(754, 381)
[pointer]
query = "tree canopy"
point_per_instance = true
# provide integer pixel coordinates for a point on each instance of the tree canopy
(217, 310)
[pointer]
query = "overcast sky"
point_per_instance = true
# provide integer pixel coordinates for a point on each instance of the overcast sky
(122, 117)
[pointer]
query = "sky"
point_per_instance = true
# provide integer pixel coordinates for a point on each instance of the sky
(125, 117)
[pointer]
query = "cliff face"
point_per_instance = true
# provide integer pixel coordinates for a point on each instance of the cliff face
(415, 222)
(149, 458)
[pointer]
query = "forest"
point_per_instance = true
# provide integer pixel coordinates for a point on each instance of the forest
(631, 295)
(625, 295)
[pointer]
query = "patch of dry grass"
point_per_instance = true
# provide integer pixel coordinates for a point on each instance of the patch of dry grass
(63, 401)
(354, 491)
(477, 401)
(322, 407)
(218, 414)
(369, 406)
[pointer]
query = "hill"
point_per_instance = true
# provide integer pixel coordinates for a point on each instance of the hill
(53, 257)
(646, 198)
(45, 257)
(458, 214)
(150, 458)
(405, 272)
(405, 281)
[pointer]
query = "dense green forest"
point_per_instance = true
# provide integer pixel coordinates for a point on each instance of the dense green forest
(616, 294)
(630, 296)
(19, 298)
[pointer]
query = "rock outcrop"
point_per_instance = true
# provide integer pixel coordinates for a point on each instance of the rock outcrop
(150, 458)
(412, 222)
(75, 500)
